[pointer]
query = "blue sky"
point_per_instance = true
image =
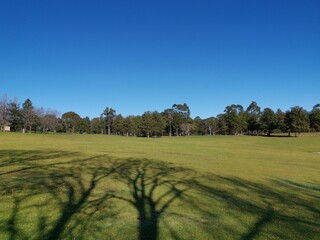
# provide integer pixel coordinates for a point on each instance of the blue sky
(136, 55)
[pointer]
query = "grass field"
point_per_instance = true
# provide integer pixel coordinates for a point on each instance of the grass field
(110, 187)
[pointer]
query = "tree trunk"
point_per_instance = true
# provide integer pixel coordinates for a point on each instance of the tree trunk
(108, 129)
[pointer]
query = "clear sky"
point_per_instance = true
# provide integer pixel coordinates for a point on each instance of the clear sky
(147, 55)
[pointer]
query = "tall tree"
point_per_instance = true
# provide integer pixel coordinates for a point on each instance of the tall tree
(70, 121)
(211, 125)
(96, 125)
(168, 117)
(268, 120)
(315, 118)
(109, 115)
(222, 127)
(83, 126)
(181, 118)
(152, 124)
(253, 113)
(234, 117)
(15, 116)
(297, 120)
(117, 124)
(28, 114)
(281, 121)
(4, 112)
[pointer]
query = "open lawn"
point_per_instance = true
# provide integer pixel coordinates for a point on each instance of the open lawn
(108, 187)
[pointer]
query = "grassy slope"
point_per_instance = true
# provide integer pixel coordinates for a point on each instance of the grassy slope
(106, 187)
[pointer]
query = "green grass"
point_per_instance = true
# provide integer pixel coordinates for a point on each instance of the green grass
(108, 187)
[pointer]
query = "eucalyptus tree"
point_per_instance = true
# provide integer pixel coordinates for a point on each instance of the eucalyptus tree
(235, 119)
(108, 115)
(168, 115)
(211, 125)
(222, 127)
(117, 125)
(152, 124)
(181, 118)
(96, 125)
(253, 114)
(297, 120)
(268, 120)
(315, 118)
(281, 121)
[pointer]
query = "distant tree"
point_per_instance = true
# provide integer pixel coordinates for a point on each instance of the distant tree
(281, 121)
(152, 124)
(96, 125)
(109, 115)
(15, 116)
(4, 112)
(315, 118)
(211, 125)
(268, 120)
(297, 120)
(83, 126)
(70, 121)
(181, 118)
(117, 124)
(168, 117)
(199, 127)
(222, 127)
(50, 122)
(234, 117)
(28, 114)
(177, 120)
(253, 114)
(131, 125)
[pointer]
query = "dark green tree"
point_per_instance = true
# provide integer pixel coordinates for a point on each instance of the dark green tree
(268, 120)
(315, 118)
(152, 124)
(15, 116)
(253, 114)
(117, 125)
(83, 126)
(281, 121)
(96, 126)
(168, 117)
(181, 119)
(70, 120)
(108, 115)
(235, 119)
(297, 120)
(222, 127)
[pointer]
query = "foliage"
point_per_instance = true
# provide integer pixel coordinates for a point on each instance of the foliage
(174, 121)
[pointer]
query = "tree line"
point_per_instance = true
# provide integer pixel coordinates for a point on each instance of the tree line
(174, 121)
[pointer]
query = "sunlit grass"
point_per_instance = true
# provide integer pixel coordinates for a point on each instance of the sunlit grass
(110, 187)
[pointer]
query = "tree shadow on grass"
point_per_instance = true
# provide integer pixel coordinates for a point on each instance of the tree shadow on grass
(153, 186)
(281, 209)
(66, 195)
(54, 190)
(76, 189)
